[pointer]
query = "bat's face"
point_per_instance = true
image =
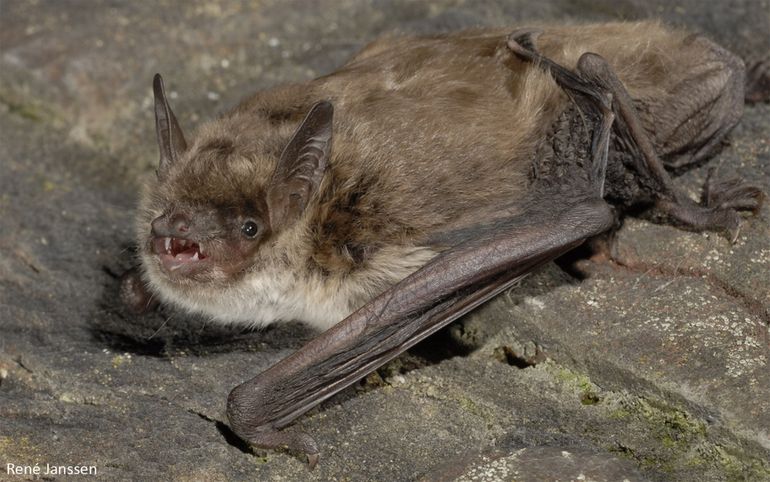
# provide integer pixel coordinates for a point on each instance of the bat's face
(202, 229)
(219, 227)
(205, 237)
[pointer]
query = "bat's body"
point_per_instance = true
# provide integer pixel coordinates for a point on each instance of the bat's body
(465, 159)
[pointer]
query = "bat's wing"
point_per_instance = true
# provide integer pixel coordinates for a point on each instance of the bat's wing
(555, 219)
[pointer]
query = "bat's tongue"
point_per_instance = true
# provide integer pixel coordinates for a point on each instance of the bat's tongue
(191, 254)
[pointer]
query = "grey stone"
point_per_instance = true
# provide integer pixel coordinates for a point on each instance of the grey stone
(654, 367)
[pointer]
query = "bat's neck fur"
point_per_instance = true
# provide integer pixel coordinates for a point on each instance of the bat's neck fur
(287, 284)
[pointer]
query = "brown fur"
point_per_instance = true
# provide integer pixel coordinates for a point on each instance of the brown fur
(463, 118)
(430, 134)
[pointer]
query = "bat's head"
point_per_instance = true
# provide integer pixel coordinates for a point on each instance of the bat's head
(220, 203)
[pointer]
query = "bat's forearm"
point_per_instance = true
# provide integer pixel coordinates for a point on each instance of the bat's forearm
(450, 286)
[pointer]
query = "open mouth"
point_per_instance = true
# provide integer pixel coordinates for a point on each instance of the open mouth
(175, 253)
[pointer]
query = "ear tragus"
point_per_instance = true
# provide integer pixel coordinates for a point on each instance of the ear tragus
(301, 166)
(170, 138)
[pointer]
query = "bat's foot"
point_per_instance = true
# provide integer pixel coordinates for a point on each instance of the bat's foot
(134, 293)
(702, 218)
(720, 203)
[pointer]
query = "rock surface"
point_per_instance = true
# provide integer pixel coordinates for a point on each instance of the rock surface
(654, 367)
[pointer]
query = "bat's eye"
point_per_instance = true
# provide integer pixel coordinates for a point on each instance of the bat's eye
(250, 229)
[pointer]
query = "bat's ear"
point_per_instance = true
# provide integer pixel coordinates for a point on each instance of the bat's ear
(301, 167)
(170, 138)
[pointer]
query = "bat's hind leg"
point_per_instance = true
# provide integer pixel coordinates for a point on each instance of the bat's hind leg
(721, 200)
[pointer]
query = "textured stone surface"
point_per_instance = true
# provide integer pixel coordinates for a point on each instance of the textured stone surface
(657, 364)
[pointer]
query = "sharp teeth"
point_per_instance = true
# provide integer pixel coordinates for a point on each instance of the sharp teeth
(195, 256)
(168, 245)
(200, 249)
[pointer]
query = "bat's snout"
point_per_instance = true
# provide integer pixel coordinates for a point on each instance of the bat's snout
(175, 225)
(172, 242)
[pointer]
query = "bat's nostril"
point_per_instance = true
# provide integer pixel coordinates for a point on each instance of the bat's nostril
(180, 224)
(175, 225)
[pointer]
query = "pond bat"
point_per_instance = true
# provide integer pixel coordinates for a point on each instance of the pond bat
(422, 178)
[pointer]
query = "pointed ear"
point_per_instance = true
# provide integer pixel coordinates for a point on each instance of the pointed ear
(301, 168)
(170, 138)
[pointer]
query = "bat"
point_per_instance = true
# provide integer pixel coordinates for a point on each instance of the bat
(421, 179)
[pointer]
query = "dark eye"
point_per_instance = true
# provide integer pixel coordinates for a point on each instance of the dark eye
(250, 229)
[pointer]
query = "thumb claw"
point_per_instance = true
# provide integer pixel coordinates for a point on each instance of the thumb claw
(522, 41)
(312, 460)
(292, 440)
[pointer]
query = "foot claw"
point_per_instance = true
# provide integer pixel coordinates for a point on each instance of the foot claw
(292, 440)
(725, 220)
